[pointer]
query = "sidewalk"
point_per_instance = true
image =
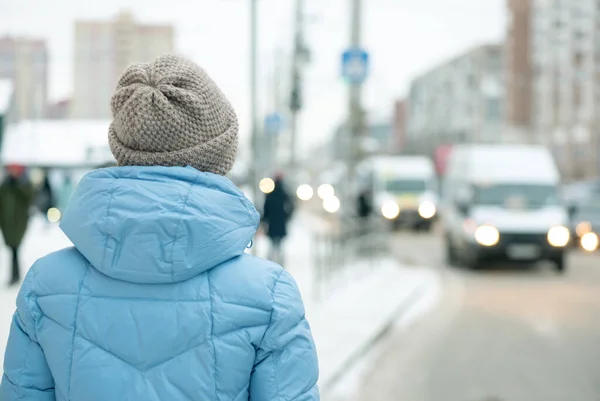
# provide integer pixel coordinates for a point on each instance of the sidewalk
(353, 311)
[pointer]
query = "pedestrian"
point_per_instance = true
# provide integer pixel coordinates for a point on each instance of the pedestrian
(158, 299)
(16, 198)
(365, 204)
(45, 195)
(45, 199)
(277, 212)
(364, 212)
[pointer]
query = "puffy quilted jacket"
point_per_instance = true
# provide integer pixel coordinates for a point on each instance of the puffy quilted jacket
(158, 301)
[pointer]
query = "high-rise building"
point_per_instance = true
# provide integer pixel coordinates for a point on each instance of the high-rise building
(566, 82)
(103, 50)
(399, 122)
(459, 101)
(25, 62)
(518, 65)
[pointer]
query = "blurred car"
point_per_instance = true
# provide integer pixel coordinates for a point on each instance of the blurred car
(404, 189)
(580, 191)
(502, 202)
(585, 224)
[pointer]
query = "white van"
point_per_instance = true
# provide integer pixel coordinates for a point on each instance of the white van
(503, 202)
(404, 188)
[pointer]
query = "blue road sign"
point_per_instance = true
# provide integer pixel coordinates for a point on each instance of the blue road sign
(355, 65)
(273, 123)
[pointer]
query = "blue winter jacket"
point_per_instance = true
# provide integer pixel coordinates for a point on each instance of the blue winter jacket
(157, 301)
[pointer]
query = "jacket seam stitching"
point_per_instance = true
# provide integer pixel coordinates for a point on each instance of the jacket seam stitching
(21, 392)
(105, 218)
(179, 224)
(21, 388)
(75, 332)
(266, 339)
(212, 331)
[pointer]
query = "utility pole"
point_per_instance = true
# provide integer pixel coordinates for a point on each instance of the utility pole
(276, 106)
(296, 95)
(254, 99)
(355, 109)
(254, 176)
(278, 65)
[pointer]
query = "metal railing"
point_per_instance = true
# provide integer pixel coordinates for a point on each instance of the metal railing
(350, 243)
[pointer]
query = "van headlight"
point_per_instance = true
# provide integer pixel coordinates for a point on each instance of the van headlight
(559, 236)
(427, 210)
(487, 235)
(589, 241)
(390, 210)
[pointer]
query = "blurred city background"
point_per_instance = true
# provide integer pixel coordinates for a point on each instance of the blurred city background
(422, 142)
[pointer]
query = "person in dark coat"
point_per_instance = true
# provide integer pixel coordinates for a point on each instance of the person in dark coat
(364, 211)
(16, 197)
(45, 196)
(277, 212)
(365, 204)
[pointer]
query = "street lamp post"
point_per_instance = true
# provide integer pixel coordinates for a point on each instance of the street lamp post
(296, 95)
(355, 110)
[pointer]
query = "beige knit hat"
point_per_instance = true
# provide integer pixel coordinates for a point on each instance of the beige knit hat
(171, 113)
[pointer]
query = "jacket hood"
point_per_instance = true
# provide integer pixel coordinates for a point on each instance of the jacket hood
(158, 224)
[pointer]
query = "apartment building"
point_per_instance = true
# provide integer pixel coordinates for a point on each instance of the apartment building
(103, 50)
(518, 68)
(566, 82)
(24, 61)
(459, 101)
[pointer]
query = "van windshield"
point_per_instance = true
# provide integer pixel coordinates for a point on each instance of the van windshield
(515, 195)
(405, 186)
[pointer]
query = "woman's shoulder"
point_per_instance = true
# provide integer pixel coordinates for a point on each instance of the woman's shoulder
(59, 272)
(248, 279)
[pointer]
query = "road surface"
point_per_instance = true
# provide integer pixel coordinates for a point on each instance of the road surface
(501, 335)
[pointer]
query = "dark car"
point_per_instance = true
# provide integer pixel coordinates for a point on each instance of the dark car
(585, 219)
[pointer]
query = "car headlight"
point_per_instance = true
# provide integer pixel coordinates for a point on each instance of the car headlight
(427, 210)
(390, 210)
(331, 204)
(589, 241)
(487, 235)
(559, 236)
(583, 228)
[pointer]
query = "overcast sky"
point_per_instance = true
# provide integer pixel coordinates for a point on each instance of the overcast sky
(403, 37)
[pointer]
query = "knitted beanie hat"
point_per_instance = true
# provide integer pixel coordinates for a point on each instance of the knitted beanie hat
(171, 113)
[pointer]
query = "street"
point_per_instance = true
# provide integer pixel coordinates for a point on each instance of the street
(505, 334)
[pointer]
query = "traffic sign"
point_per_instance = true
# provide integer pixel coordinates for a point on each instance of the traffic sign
(355, 65)
(273, 123)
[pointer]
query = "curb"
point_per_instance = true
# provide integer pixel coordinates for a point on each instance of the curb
(352, 359)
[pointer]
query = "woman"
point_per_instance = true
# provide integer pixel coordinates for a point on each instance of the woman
(157, 300)
(277, 212)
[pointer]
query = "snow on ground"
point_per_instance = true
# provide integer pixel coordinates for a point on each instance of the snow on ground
(349, 313)
(350, 383)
